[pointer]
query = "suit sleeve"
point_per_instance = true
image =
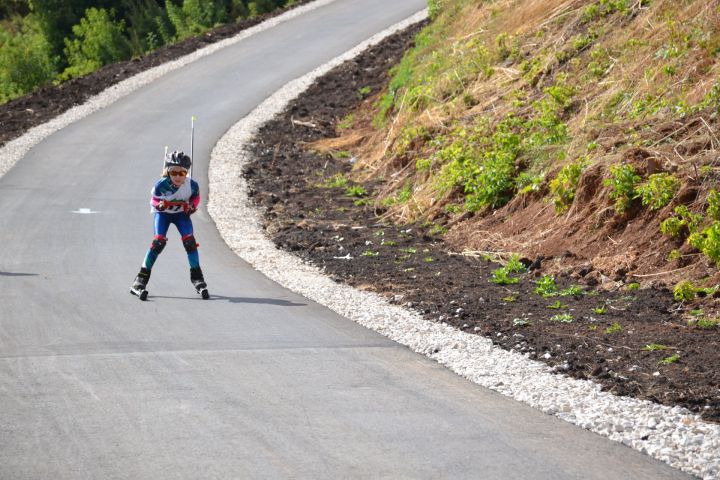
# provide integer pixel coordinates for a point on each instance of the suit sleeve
(155, 194)
(194, 199)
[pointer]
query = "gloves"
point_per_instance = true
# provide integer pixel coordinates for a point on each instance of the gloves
(160, 207)
(191, 210)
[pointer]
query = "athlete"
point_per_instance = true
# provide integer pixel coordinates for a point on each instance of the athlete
(174, 198)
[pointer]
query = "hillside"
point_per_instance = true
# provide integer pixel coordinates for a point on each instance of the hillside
(583, 133)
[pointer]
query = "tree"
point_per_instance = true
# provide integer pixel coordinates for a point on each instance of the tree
(97, 40)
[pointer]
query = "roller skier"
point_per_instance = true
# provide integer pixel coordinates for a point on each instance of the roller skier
(175, 197)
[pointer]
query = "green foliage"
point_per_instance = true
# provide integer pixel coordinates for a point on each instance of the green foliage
(521, 322)
(558, 305)
(546, 286)
(670, 360)
(502, 277)
(613, 329)
(336, 181)
(682, 220)
(622, 181)
(346, 122)
(434, 7)
(514, 265)
(655, 347)
(148, 26)
(563, 186)
(195, 16)
(684, 291)
(356, 191)
(527, 183)
(562, 318)
(26, 60)
(601, 310)
(713, 206)
(658, 190)
(363, 92)
(97, 40)
(674, 255)
(369, 253)
(709, 242)
(572, 291)
(705, 323)
(632, 286)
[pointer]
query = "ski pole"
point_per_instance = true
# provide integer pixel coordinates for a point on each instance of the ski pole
(165, 157)
(192, 138)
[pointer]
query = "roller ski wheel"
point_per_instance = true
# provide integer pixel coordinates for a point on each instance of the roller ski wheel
(201, 289)
(141, 293)
(196, 277)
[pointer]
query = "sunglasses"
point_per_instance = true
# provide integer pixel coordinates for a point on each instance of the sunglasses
(178, 173)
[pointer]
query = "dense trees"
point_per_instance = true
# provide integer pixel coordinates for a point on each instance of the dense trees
(44, 41)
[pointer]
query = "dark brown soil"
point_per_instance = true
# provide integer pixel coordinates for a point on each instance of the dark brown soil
(38, 107)
(339, 231)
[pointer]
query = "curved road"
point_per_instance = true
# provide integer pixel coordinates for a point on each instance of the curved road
(255, 383)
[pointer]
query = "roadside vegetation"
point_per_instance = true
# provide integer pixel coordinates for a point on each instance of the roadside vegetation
(46, 42)
(581, 132)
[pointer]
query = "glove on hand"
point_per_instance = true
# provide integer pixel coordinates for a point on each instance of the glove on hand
(161, 206)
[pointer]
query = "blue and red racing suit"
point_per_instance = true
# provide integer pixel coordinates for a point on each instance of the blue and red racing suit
(179, 202)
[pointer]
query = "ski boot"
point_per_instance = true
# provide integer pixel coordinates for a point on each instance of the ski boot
(139, 286)
(196, 277)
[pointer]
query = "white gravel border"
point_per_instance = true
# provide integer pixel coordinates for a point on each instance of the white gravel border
(15, 149)
(674, 435)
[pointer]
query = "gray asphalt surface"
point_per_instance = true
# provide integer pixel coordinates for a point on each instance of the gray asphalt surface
(256, 382)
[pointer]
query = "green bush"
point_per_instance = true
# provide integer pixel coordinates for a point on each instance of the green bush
(148, 26)
(713, 205)
(197, 16)
(684, 291)
(711, 242)
(623, 181)
(26, 61)
(563, 186)
(97, 40)
(658, 190)
(682, 219)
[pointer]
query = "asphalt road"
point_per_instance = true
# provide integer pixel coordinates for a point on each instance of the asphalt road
(256, 382)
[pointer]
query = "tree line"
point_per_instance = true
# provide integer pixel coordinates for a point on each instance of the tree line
(50, 41)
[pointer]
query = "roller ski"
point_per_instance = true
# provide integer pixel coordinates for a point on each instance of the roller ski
(196, 277)
(139, 286)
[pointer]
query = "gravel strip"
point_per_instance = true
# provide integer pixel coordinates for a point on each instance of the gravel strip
(16, 149)
(673, 435)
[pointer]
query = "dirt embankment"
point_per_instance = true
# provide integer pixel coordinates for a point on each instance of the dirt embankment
(313, 209)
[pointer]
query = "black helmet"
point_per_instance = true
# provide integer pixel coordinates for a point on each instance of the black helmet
(178, 159)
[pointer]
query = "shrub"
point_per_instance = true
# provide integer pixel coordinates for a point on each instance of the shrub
(563, 186)
(97, 40)
(684, 291)
(713, 205)
(546, 286)
(26, 61)
(197, 16)
(682, 219)
(502, 277)
(623, 181)
(711, 242)
(658, 190)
